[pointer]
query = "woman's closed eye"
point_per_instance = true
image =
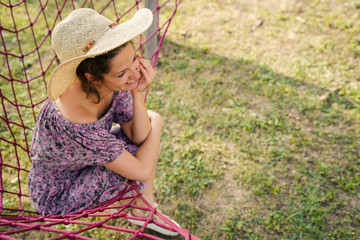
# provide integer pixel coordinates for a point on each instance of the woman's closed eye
(122, 74)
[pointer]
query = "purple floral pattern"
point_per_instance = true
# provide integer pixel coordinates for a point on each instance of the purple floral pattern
(67, 172)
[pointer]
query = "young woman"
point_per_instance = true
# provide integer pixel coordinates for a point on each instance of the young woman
(95, 135)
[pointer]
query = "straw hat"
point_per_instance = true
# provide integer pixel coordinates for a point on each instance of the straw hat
(84, 34)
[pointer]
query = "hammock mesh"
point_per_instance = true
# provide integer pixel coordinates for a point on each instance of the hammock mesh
(26, 60)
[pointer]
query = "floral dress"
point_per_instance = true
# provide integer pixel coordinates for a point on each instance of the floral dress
(67, 172)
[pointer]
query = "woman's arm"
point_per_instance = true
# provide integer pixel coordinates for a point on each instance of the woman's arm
(139, 127)
(141, 166)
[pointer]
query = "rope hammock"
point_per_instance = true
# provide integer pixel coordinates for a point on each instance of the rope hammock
(26, 61)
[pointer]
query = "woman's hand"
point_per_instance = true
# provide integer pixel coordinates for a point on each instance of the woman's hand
(147, 74)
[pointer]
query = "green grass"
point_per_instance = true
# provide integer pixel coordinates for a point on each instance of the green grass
(297, 157)
(261, 136)
(261, 108)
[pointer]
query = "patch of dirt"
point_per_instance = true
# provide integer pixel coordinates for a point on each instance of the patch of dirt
(221, 201)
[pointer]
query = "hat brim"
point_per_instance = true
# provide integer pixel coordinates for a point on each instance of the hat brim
(65, 74)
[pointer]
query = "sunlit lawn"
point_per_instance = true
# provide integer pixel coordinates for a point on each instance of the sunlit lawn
(261, 105)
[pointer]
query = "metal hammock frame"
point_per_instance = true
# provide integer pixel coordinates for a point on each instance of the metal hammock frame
(25, 68)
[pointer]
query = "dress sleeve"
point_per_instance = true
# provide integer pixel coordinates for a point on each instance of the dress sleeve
(94, 147)
(123, 107)
(60, 145)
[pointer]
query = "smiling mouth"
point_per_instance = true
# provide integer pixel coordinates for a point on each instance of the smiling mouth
(130, 82)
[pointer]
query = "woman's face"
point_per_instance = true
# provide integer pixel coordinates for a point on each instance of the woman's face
(124, 71)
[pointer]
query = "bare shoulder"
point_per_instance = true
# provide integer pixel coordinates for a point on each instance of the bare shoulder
(75, 113)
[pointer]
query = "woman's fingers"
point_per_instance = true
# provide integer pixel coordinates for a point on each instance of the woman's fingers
(147, 72)
(146, 75)
(146, 64)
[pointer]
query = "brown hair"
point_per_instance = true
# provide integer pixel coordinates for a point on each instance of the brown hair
(96, 66)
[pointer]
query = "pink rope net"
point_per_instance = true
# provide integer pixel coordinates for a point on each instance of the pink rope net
(26, 61)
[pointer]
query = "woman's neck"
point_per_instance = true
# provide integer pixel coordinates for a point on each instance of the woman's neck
(78, 108)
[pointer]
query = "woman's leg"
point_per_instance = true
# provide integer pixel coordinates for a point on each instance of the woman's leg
(148, 191)
(148, 194)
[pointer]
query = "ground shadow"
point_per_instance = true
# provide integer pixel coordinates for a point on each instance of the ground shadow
(234, 112)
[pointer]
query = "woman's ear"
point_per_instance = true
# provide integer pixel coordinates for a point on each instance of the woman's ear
(91, 78)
